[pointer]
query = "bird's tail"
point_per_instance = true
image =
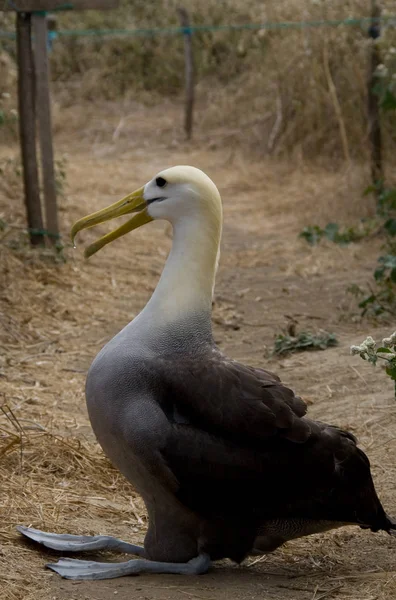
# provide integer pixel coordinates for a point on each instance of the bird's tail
(388, 524)
(378, 519)
(359, 495)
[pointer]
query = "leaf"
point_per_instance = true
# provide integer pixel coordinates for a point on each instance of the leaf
(389, 261)
(387, 200)
(321, 340)
(331, 231)
(378, 309)
(391, 371)
(388, 101)
(368, 300)
(379, 273)
(312, 234)
(383, 350)
(390, 226)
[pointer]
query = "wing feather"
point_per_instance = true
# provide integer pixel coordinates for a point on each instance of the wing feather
(233, 401)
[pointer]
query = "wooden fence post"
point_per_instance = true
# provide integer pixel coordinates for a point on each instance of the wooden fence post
(189, 71)
(27, 127)
(374, 120)
(33, 94)
(43, 109)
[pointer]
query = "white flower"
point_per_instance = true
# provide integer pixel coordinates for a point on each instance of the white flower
(356, 350)
(390, 341)
(362, 350)
(369, 342)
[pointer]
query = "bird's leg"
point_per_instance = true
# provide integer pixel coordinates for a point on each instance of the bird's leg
(80, 543)
(70, 568)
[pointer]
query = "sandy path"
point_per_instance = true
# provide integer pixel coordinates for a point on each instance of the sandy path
(56, 318)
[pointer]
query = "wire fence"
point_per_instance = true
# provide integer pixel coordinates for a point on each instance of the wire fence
(389, 20)
(273, 120)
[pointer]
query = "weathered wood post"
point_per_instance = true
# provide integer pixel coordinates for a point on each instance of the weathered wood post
(374, 119)
(27, 127)
(43, 112)
(34, 101)
(189, 71)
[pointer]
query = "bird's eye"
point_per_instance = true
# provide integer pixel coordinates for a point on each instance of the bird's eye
(161, 182)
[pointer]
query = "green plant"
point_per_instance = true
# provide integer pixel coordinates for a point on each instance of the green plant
(386, 198)
(382, 298)
(313, 234)
(286, 344)
(385, 86)
(368, 350)
(376, 303)
(387, 271)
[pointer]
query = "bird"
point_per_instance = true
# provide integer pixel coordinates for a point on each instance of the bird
(223, 454)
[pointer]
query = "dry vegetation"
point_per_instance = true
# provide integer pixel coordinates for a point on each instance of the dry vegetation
(116, 129)
(55, 315)
(273, 85)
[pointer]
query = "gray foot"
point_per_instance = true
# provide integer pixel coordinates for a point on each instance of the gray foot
(79, 543)
(70, 568)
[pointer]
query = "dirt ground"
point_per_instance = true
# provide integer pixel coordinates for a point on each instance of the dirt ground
(54, 317)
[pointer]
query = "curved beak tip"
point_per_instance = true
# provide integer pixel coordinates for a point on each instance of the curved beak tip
(73, 233)
(133, 203)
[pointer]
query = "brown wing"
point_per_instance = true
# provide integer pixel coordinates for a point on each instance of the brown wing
(238, 443)
(232, 400)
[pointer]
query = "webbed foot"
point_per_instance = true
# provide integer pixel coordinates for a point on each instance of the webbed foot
(65, 542)
(70, 568)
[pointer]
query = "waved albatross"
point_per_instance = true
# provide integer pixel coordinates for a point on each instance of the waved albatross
(223, 455)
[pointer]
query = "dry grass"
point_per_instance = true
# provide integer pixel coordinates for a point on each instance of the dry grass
(55, 315)
(48, 457)
(283, 92)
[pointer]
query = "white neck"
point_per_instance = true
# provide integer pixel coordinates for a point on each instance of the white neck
(187, 281)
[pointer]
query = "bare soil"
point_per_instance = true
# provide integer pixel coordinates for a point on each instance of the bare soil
(55, 316)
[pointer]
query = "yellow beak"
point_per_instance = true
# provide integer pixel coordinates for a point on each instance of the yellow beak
(133, 203)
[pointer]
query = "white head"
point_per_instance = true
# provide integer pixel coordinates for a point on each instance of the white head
(187, 198)
(180, 194)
